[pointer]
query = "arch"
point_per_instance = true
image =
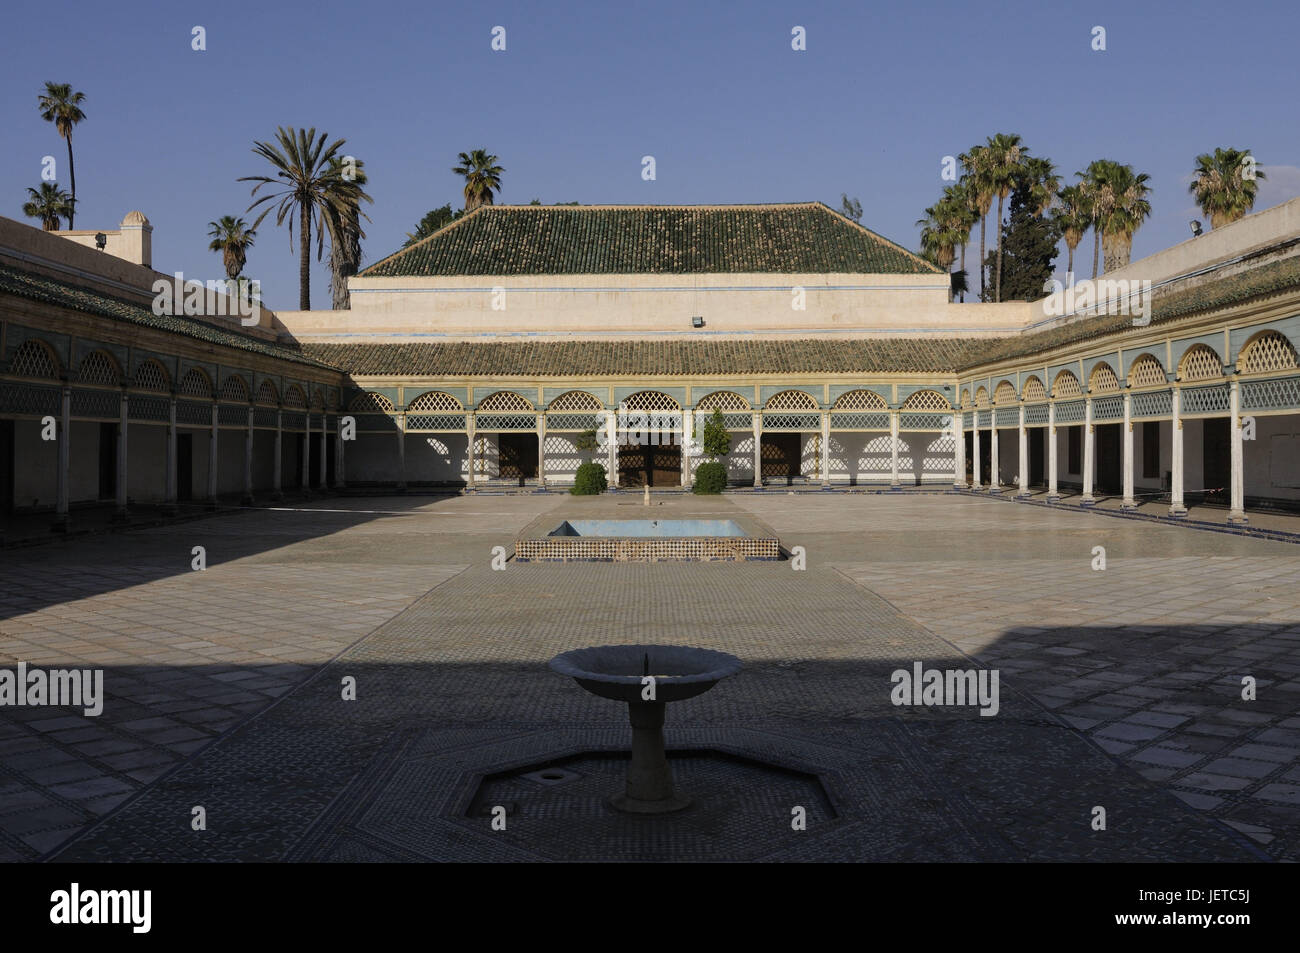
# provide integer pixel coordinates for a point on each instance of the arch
(650, 400)
(151, 375)
(234, 388)
(1267, 352)
(1200, 363)
(196, 383)
(99, 367)
(791, 400)
(576, 401)
(434, 401)
(857, 400)
(317, 399)
(965, 396)
(1004, 393)
(505, 402)
(725, 400)
(1146, 371)
(295, 398)
(926, 400)
(268, 393)
(1103, 380)
(981, 396)
(368, 402)
(1034, 390)
(1066, 385)
(34, 359)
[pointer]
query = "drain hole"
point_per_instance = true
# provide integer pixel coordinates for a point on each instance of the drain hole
(551, 776)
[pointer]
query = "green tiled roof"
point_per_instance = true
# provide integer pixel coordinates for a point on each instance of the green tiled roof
(645, 358)
(506, 240)
(40, 288)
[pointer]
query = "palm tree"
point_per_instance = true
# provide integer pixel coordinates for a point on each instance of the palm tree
(1039, 175)
(1122, 204)
(309, 184)
(1221, 188)
(344, 226)
(482, 177)
(48, 204)
(959, 215)
(938, 243)
(979, 193)
(232, 237)
(1092, 181)
(1006, 156)
(61, 106)
(1073, 215)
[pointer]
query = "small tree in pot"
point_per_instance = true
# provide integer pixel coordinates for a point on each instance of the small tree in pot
(711, 476)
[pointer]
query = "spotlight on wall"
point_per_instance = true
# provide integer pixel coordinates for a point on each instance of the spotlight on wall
(101, 241)
(1196, 227)
(697, 322)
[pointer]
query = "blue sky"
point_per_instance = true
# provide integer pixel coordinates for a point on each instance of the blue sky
(712, 90)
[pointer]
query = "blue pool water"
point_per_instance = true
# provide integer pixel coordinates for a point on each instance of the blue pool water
(647, 528)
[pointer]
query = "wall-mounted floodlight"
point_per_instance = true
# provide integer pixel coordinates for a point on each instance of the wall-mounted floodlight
(697, 322)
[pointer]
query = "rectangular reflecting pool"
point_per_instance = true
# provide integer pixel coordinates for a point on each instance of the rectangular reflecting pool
(647, 541)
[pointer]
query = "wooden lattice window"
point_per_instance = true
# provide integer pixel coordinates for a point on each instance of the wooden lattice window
(927, 400)
(1268, 353)
(724, 400)
(268, 394)
(195, 383)
(295, 398)
(1066, 385)
(965, 397)
(504, 401)
(1200, 363)
(1034, 390)
(650, 400)
(791, 400)
(435, 402)
(151, 375)
(1146, 372)
(1103, 380)
(34, 359)
(234, 389)
(371, 403)
(576, 401)
(860, 400)
(318, 399)
(1005, 393)
(98, 367)
(981, 396)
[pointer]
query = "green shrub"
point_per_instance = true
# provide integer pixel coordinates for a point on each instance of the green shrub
(589, 480)
(710, 477)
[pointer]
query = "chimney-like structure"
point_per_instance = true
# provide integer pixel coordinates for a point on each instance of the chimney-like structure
(137, 240)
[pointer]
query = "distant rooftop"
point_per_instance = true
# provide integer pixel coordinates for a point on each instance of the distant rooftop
(806, 238)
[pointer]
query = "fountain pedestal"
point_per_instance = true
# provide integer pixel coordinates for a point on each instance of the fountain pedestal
(649, 779)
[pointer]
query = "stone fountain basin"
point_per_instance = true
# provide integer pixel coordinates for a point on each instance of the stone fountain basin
(615, 671)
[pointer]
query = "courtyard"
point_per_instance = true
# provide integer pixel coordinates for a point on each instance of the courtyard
(1121, 687)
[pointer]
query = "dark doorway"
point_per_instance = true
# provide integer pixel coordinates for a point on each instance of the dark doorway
(969, 438)
(331, 457)
(649, 465)
(1074, 450)
(780, 457)
(986, 457)
(518, 456)
(313, 471)
(1036, 444)
(1216, 459)
(295, 478)
(6, 467)
(1108, 458)
(107, 461)
(184, 466)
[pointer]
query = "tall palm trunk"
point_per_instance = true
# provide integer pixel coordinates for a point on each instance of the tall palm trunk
(304, 255)
(982, 218)
(72, 173)
(963, 268)
(1096, 245)
(997, 285)
(1069, 261)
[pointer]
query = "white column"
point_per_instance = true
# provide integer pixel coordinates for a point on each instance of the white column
(995, 475)
(959, 452)
(976, 474)
(471, 437)
(1088, 447)
(248, 458)
(893, 450)
(541, 449)
(686, 446)
(339, 455)
(1128, 503)
(64, 475)
(400, 421)
(306, 453)
(169, 495)
(1023, 449)
(277, 480)
(1053, 494)
(611, 430)
(1176, 505)
(212, 459)
(826, 448)
(324, 445)
(1237, 507)
(758, 449)
(123, 425)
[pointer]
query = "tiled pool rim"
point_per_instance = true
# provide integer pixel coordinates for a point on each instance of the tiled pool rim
(647, 541)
